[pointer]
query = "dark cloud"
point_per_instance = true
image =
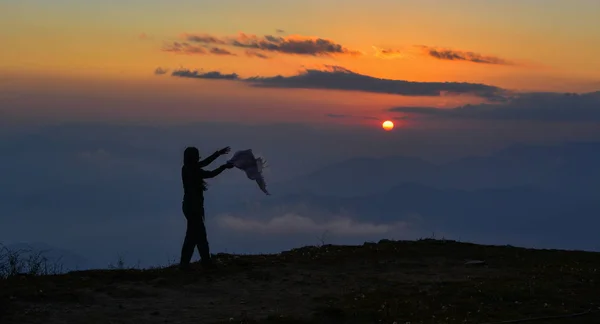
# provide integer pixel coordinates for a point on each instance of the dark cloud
(185, 48)
(215, 75)
(160, 71)
(351, 116)
(455, 55)
(339, 78)
(530, 106)
(279, 31)
(345, 116)
(420, 110)
(221, 51)
(204, 39)
(190, 49)
(296, 45)
(388, 53)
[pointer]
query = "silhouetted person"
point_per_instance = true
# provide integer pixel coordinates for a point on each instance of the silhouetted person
(194, 186)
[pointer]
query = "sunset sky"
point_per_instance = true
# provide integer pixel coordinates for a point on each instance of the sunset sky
(125, 52)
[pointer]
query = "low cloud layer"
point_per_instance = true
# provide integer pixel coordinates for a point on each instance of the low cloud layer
(291, 45)
(296, 224)
(563, 107)
(339, 78)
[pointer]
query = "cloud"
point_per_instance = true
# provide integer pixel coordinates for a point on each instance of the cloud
(340, 78)
(256, 54)
(386, 53)
(292, 45)
(296, 224)
(316, 46)
(456, 55)
(351, 116)
(207, 39)
(343, 116)
(160, 71)
(529, 106)
(221, 51)
(185, 73)
(189, 49)
(185, 48)
(438, 53)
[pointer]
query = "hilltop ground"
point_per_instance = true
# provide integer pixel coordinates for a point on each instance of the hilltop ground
(423, 281)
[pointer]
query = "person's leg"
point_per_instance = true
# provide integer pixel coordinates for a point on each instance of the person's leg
(202, 240)
(187, 250)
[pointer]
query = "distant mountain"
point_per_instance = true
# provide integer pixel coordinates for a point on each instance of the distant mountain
(569, 168)
(538, 215)
(361, 175)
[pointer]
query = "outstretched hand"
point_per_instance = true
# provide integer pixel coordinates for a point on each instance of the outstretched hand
(224, 150)
(229, 165)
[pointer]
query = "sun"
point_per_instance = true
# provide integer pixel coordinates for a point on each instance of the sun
(388, 125)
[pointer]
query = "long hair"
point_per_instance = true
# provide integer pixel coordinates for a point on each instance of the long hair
(191, 156)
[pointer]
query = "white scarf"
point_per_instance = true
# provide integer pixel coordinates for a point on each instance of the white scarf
(245, 161)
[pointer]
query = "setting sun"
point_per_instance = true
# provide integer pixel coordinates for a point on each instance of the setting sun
(388, 125)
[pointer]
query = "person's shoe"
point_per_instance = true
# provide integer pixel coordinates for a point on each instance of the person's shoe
(184, 267)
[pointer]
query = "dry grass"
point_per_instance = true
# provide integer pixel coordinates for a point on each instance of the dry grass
(26, 261)
(423, 281)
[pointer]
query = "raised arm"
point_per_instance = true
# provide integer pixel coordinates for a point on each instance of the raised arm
(215, 172)
(209, 160)
(213, 157)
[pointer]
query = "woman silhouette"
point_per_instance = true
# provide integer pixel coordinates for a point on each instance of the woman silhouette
(193, 176)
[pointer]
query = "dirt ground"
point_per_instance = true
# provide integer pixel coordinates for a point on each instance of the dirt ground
(403, 282)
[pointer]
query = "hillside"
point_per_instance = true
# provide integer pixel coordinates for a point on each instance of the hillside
(424, 281)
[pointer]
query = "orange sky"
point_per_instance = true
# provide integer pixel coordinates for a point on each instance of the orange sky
(86, 46)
